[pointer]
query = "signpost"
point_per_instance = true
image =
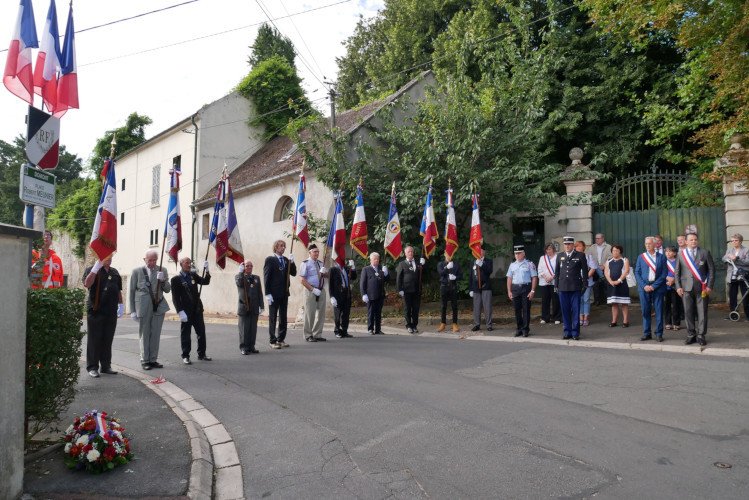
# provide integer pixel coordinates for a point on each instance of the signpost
(37, 187)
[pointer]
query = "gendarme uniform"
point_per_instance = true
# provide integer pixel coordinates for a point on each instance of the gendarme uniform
(521, 276)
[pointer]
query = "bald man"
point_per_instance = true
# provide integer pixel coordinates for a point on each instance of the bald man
(250, 306)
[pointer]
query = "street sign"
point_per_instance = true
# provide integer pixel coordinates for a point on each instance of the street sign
(42, 139)
(37, 187)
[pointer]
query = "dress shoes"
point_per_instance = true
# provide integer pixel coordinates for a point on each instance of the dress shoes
(371, 332)
(476, 328)
(701, 340)
(525, 334)
(416, 330)
(410, 330)
(379, 332)
(146, 366)
(659, 338)
(275, 346)
(321, 339)
(108, 371)
(490, 328)
(186, 361)
(311, 339)
(576, 337)
(339, 335)
(690, 340)
(244, 352)
(205, 357)
(253, 351)
(93, 373)
(566, 337)
(156, 364)
(518, 334)
(646, 337)
(283, 344)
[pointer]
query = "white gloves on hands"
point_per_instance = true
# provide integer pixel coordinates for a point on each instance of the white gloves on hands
(205, 265)
(97, 266)
(470, 294)
(316, 292)
(120, 310)
(262, 311)
(291, 257)
(183, 316)
(333, 302)
(452, 277)
(401, 293)
(351, 264)
(160, 276)
(241, 267)
(134, 316)
(365, 298)
(385, 270)
(323, 270)
(269, 299)
(422, 261)
(449, 265)
(479, 262)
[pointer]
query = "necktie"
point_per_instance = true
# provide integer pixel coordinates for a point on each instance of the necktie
(694, 253)
(345, 277)
(411, 265)
(283, 264)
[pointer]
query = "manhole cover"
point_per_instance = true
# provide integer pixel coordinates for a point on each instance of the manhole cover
(722, 465)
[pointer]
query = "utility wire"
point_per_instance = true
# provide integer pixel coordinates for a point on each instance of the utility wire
(312, 55)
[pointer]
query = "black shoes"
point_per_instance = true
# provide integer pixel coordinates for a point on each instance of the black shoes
(321, 339)
(205, 357)
(566, 337)
(93, 373)
(701, 340)
(659, 338)
(156, 364)
(476, 328)
(576, 337)
(525, 334)
(371, 332)
(646, 337)
(108, 371)
(690, 340)
(186, 361)
(146, 366)
(518, 334)
(311, 339)
(379, 332)
(244, 352)
(490, 328)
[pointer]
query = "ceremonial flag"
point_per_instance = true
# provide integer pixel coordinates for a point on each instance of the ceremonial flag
(429, 226)
(337, 233)
(393, 245)
(18, 77)
(173, 229)
(104, 237)
(300, 213)
(221, 244)
(48, 61)
(233, 242)
(67, 85)
(359, 228)
(451, 229)
(476, 240)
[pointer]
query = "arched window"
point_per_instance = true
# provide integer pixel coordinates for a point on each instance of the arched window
(284, 209)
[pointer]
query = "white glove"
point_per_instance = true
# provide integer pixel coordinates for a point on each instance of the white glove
(470, 293)
(479, 262)
(401, 293)
(241, 267)
(323, 270)
(365, 298)
(205, 265)
(97, 266)
(449, 265)
(269, 299)
(351, 264)
(333, 302)
(160, 276)
(183, 316)
(385, 270)
(452, 277)
(120, 310)
(291, 257)
(262, 311)
(422, 261)
(316, 292)
(134, 316)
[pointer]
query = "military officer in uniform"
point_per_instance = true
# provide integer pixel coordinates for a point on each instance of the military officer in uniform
(522, 279)
(339, 287)
(186, 299)
(570, 278)
(249, 307)
(408, 281)
(146, 289)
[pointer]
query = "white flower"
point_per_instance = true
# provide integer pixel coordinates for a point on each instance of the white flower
(67, 447)
(82, 440)
(114, 424)
(70, 429)
(93, 455)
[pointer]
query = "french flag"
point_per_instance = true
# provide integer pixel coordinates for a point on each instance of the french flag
(393, 246)
(67, 85)
(451, 228)
(104, 237)
(429, 225)
(219, 220)
(476, 240)
(359, 228)
(173, 229)
(300, 214)
(48, 61)
(337, 233)
(18, 77)
(233, 242)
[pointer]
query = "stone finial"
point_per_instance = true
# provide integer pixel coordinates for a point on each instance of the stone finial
(736, 140)
(576, 155)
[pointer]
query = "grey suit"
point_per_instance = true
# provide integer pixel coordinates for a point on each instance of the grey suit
(695, 305)
(249, 289)
(149, 321)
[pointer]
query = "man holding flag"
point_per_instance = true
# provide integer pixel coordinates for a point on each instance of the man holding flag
(408, 280)
(449, 271)
(339, 284)
(479, 284)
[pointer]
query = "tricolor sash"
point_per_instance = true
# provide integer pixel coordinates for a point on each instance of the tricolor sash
(693, 267)
(649, 261)
(549, 267)
(671, 268)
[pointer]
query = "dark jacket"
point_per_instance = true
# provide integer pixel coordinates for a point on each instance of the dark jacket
(373, 286)
(274, 276)
(408, 277)
(642, 272)
(337, 285)
(444, 272)
(571, 273)
(683, 277)
(481, 274)
(249, 289)
(185, 295)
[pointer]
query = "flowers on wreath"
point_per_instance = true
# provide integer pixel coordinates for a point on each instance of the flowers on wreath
(96, 442)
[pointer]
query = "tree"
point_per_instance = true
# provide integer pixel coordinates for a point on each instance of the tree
(130, 135)
(268, 43)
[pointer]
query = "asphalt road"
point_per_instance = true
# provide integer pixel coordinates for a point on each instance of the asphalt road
(423, 417)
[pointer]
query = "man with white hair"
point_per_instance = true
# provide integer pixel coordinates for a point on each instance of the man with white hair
(372, 287)
(651, 271)
(186, 299)
(147, 286)
(249, 308)
(313, 273)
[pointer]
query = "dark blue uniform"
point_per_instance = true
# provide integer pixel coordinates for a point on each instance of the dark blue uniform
(570, 278)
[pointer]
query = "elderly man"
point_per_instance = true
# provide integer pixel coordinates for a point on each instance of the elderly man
(372, 288)
(313, 274)
(570, 279)
(340, 295)
(651, 271)
(103, 307)
(408, 279)
(737, 259)
(601, 252)
(480, 290)
(249, 307)
(186, 299)
(694, 278)
(276, 272)
(146, 289)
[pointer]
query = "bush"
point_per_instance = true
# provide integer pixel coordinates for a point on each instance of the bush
(53, 347)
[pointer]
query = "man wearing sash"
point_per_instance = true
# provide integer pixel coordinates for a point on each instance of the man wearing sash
(186, 298)
(146, 289)
(651, 271)
(249, 307)
(694, 279)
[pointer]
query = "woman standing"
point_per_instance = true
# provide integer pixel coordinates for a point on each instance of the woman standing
(585, 297)
(616, 271)
(546, 266)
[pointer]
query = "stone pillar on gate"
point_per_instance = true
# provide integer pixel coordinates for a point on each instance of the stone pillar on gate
(735, 191)
(579, 181)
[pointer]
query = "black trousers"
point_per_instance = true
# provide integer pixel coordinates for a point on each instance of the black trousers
(411, 304)
(550, 302)
(374, 314)
(277, 309)
(101, 329)
(341, 315)
(449, 293)
(674, 308)
(733, 296)
(522, 305)
(247, 331)
(185, 329)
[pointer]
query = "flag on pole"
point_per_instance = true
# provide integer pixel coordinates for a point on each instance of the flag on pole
(48, 61)
(300, 213)
(429, 225)
(359, 228)
(173, 229)
(104, 237)
(222, 245)
(234, 244)
(67, 85)
(18, 76)
(393, 245)
(337, 233)
(451, 229)
(476, 240)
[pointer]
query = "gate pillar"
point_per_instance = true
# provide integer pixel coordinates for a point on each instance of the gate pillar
(579, 181)
(736, 200)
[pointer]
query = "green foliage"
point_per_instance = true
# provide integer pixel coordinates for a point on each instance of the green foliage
(130, 135)
(76, 214)
(53, 347)
(269, 43)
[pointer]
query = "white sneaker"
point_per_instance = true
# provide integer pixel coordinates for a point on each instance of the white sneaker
(543, 322)
(557, 322)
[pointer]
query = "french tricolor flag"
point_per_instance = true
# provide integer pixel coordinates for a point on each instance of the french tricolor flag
(451, 228)
(429, 225)
(337, 233)
(48, 61)
(18, 76)
(300, 214)
(476, 240)
(67, 85)
(359, 228)
(104, 237)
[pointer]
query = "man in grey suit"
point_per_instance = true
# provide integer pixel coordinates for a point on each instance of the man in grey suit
(147, 286)
(250, 306)
(694, 278)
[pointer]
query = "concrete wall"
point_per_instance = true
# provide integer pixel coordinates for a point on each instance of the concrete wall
(15, 247)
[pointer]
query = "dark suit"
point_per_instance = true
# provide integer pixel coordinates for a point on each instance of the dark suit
(449, 288)
(479, 282)
(339, 287)
(695, 305)
(186, 298)
(654, 299)
(101, 317)
(276, 285)
(570, 278)
(408, 281)
(250, 302)
(372, 284)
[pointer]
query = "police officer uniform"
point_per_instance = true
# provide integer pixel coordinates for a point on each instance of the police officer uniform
(521, 284)
(570, 278)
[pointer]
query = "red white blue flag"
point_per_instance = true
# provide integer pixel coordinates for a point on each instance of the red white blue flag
(429, 226)
(221, 244)
(18, 76)
(48, 61)
(104, 237)
(337, 233)
(393, 246)
(173, 229)
(67, 84)
(300, 213)
(451, 228)
(228, 226)
(476, 239)
(359, 228)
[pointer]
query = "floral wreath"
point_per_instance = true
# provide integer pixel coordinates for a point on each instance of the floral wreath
(97, 443)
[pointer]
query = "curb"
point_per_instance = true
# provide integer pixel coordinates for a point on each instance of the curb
(213, 449)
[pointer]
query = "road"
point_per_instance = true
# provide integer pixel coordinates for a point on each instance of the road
(425, 417)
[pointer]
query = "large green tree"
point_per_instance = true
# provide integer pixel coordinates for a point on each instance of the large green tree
(268, 43)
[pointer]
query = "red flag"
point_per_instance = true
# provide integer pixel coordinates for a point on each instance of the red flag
(451, 229)
(476, 240)
(359, 228)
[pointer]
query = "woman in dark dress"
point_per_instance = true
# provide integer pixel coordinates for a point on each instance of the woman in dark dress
(616, 271)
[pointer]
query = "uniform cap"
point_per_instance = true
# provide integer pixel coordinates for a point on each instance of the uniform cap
(569, 239)
(519, 248)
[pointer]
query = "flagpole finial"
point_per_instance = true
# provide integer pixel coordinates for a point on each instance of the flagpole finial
(360, 181)
(113, 144)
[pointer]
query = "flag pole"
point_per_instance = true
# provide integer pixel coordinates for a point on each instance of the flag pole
(475, 199)
(158, 283)
(208, 247)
